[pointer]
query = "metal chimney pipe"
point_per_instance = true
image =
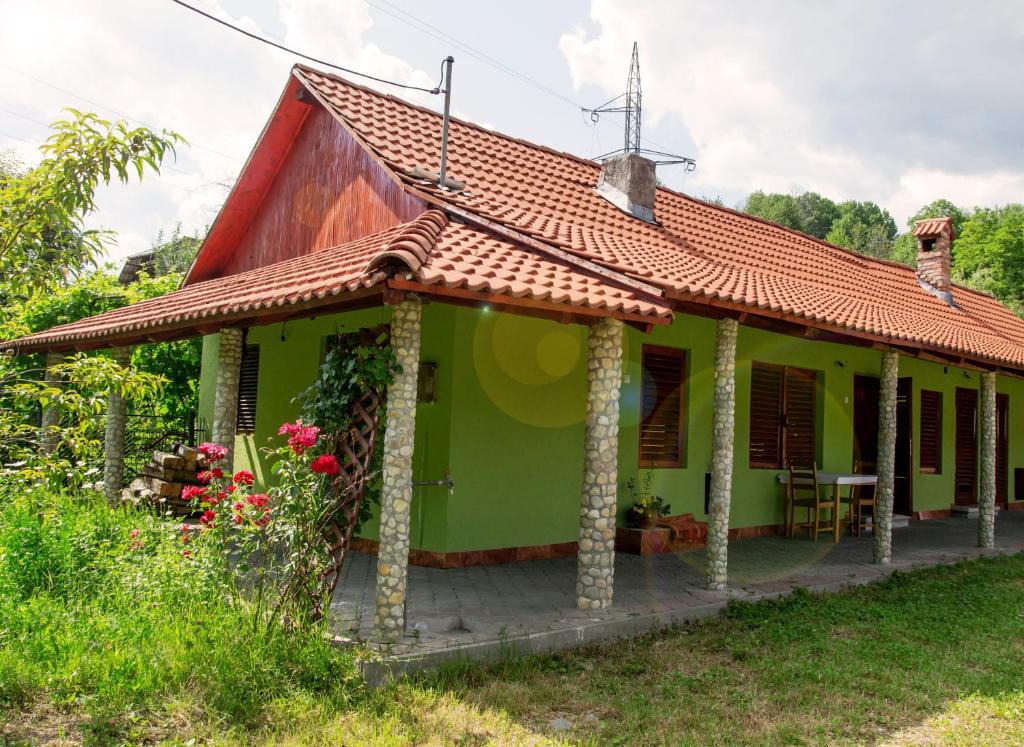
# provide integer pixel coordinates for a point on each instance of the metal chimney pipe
(442, 180)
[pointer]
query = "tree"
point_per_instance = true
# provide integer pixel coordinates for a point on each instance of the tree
(865, 228)
(904, 248)
(808, 212)
(174, 254)
(43, 237)
(989, 253)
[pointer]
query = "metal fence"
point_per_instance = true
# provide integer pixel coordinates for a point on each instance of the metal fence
(144, 434)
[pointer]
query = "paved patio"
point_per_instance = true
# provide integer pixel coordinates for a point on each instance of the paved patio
(529, 607)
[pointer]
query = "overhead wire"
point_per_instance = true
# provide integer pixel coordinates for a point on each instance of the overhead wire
(433, 91)
(110, 109)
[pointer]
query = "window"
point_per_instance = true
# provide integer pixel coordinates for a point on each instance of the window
(248, 377)
(931, 431)
(783, 417)
(661, 425)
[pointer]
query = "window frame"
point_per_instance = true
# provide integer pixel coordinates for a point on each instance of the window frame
(935, 469)
(682, 355)
(249, 429)
(782, 429)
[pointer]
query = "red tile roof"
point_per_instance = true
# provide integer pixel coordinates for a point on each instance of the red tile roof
(697, 251)
(933, 227)
(436, 255)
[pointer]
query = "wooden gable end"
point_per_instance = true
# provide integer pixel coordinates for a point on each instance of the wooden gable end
(308, 185)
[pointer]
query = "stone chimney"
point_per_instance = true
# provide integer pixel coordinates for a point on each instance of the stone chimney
(934, 255)
(628, 182)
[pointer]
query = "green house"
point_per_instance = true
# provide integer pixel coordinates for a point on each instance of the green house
(565, 326)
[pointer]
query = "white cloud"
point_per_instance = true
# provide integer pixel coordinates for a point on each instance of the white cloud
(853, 100)
(172, 69)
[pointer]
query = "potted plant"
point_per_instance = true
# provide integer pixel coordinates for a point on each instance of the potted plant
(646, 507)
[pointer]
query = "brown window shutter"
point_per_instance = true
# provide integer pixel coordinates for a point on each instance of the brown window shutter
(662, 391)
(931, 431)
(1002, 447)
(248, 379)
(799, 422)
(766, 383)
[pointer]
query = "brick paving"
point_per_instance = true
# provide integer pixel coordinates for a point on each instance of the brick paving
(481, 610)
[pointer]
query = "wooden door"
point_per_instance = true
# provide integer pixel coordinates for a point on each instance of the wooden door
(865, 424)
(1002, 447)
(903, 483)
(966, 472)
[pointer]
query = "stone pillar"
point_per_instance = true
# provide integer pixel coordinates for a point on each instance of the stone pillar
(595, 570)
(225, 400)
(987, 463)
(396, 490)
(882, 520)
(722, 441)
(113, 439)
(48, 437)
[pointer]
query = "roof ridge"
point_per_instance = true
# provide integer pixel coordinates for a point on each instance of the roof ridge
(468, 123)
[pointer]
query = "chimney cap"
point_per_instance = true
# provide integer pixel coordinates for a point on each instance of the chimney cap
(934, 227)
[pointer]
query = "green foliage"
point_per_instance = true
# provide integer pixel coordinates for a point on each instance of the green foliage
(42, 210)
(101, 612)
(350, 369)
(989, 253)
(808, 212)
(174, 254)
(863, 227)
(96, 292)
(80, 400)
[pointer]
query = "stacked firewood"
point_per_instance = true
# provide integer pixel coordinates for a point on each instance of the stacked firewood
(163, 478)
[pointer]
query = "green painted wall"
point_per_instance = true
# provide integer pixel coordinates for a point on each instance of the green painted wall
(508, 420)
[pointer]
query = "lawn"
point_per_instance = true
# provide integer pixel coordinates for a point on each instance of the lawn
(931, 657)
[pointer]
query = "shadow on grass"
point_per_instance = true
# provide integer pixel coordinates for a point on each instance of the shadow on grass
(853, 667)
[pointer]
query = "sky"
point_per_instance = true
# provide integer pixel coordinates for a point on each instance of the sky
(896, 102)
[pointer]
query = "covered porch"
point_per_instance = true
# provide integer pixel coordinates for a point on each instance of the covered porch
(530, 607)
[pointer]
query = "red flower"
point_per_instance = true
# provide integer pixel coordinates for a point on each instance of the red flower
(238, 506)
(300, 436)
(243, 477)
(186, 553)
(207, 518)
(191, 492)
(325, 464)
(237, 518)
(134, 533)
(205, 476)
(213, 452)
(230, 488)
(258, 499)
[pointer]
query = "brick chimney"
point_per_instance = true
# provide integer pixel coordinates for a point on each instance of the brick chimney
(628, 182)
(934, 255)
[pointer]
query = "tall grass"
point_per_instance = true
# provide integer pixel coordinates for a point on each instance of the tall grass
(94, 618)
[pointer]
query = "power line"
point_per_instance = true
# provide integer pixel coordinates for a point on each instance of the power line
(430, 30)
(434, 91)
(110, 109)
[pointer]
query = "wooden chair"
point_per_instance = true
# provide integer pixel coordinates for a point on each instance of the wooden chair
(804, 492)
(860, 497)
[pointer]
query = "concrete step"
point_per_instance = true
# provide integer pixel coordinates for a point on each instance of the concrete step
(969, 512)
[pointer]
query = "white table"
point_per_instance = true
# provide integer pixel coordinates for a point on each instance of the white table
(835, 479)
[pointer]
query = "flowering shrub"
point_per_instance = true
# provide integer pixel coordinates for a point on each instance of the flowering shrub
(269, 546)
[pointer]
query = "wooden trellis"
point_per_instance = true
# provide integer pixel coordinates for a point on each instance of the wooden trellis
(354, 449)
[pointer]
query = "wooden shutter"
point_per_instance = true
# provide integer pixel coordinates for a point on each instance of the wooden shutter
(799, 423)
(1002, 447)
(966, 446)
(766, 384)
(248, 379)
(661, 428)
(931, 431)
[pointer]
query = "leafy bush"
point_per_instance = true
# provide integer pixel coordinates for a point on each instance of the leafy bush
(100, 610)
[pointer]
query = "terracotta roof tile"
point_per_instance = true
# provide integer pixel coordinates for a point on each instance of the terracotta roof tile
(432, 251)
(695, 250)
